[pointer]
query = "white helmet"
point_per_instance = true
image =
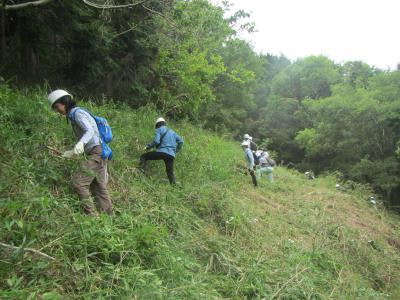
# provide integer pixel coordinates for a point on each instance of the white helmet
(160, 120)
(55, 95)
(247, 137)
(245, 143)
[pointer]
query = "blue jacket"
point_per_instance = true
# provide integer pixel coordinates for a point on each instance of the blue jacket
(170, 144)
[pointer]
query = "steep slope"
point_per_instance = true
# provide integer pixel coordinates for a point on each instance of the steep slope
(213, 237)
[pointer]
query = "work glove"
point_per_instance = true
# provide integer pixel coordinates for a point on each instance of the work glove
(68, 154)
(79, 148)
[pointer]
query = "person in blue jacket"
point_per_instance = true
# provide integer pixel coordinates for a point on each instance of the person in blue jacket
(248, 155)
(167, 143)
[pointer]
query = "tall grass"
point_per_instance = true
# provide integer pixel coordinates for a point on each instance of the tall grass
(213, 237)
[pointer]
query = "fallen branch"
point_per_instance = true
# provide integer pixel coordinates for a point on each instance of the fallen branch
(108, 6)
(125, 31)
(28, 250)
(51, 242)
(54, 150)
(57, 153)
(169, 20)
(26, 4)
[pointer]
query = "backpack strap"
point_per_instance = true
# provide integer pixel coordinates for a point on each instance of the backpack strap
(72, 115)
(161, 138)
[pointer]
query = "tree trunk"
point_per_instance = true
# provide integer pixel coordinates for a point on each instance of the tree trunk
(109, 89)
(3, 32)
(33, 61)
(19, 58)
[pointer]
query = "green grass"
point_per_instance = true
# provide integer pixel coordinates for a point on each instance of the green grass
(214, 237)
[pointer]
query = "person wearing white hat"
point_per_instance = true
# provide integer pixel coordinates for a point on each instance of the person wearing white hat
(167, 143)
(247, 137)
(310, 175)
(250, 161)
(253, 146)
(92, 175)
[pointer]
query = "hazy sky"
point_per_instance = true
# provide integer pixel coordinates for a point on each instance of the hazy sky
(366, 30)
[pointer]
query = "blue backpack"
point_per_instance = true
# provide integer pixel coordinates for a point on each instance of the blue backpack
(104, 131)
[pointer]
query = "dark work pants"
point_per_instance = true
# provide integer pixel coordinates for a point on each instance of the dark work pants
(253, 177)
(168, 160)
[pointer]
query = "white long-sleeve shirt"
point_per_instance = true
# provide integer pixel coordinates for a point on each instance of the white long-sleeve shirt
(85, 128)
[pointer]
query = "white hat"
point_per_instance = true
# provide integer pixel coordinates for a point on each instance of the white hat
(56, 95)
(245, 143)
(247, 137)
(160, 120)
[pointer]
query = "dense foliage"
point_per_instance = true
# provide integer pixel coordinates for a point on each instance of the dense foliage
(186, 58)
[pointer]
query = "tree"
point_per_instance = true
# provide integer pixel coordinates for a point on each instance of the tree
(234, 89)
(279, 123)
(107, 52)
(355, 131)
(311, 77)
(188, 62)
(357, 73)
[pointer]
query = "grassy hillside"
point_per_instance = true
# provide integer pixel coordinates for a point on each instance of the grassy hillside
(214, 237)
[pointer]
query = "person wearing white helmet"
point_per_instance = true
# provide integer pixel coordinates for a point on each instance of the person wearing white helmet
(250, 161)
(167, 144)
(310, 175)
(92, 175)
(253, 145)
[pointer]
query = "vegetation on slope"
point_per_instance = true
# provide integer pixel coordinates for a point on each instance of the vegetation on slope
(213, 237)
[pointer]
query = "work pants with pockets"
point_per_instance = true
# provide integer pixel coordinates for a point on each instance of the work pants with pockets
(91, 180)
